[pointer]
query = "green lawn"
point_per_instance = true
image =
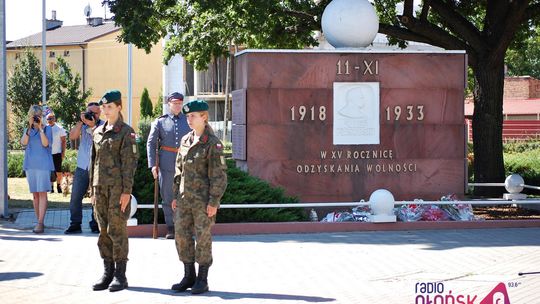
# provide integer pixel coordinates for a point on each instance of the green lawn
(21, 198)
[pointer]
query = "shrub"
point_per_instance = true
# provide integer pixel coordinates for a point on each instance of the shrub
(520, 147)
(526, 164)
(146, 216)
(244, 189)
(158, 109)
(146, 104)
(143, 186)
(15, 164)
(241, 188)
(70, 161)
(519, 157)
(16, 158)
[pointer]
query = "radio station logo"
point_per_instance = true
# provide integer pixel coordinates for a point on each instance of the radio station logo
(437, 293)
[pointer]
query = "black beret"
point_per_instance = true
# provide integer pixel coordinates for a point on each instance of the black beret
(110, 96)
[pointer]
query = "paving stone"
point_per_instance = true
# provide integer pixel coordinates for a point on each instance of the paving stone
(359, 267)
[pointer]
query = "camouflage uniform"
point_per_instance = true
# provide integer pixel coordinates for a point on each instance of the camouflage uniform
(200, 180)
(114, 160)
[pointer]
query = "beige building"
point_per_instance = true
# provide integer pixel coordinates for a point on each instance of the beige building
(93, 51)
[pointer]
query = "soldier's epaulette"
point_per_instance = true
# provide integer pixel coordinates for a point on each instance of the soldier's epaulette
(163, 116)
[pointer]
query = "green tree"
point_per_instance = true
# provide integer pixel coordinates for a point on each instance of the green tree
(158, 109)
(146, 104)
(67, 99)
(203, 30)
(524, 59)
(200, 30)
(485, 30)
(24, 90)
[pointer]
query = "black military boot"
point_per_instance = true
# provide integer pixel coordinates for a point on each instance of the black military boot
(107, 277)
(201, 285)
(188, 280)
(120, 281)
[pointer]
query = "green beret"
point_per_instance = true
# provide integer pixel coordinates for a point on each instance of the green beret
(195, 106)
(110, 96)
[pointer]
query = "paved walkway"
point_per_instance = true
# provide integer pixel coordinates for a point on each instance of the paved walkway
(360, 267)
(54, 218)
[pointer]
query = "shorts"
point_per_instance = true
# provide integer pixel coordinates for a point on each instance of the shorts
(57, 160)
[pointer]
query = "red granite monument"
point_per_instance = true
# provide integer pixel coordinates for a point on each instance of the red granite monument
(331, 126)
(336, 125)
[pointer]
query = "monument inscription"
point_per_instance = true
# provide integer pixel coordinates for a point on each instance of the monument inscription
(335, 126)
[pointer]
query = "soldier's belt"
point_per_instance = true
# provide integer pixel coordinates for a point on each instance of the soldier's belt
(170, 149)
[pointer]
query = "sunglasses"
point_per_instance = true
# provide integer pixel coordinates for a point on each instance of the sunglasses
(50, 118)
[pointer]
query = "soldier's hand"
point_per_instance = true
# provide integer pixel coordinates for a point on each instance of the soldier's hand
(211, 210)
(93, 200)
(173, 204)
(124, 201)
(155, 172)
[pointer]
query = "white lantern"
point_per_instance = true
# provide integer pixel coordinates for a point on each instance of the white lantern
(133, 204)
(382, 202)
(514, 183)
(350, 23)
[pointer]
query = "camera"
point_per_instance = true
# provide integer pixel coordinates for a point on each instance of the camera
(89, 115)
(37, 118)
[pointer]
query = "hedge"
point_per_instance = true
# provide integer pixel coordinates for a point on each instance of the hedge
(15, 163)
(526, 164)
(241, 189)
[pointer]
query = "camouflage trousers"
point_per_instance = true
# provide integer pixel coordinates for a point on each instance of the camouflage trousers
(113, 238)
(191, 220)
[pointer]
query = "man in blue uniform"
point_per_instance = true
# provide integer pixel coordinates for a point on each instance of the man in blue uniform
(165, 134)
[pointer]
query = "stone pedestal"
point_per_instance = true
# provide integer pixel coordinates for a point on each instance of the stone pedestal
(132, 222)
(382, 218)
(331, 126)
(514, 196)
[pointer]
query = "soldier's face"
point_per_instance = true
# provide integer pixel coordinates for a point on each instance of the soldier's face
(111, 111)
(175, 106)
(196, 120)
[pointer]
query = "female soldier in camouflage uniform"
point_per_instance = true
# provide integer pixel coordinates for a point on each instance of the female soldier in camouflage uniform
(113, 164)
(199, 183)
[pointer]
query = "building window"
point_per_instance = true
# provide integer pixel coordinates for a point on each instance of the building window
(53, 66)
(211, 81)
(17, 56)
(66, 53)
(52, 54)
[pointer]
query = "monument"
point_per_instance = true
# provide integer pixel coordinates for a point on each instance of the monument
(336, 125)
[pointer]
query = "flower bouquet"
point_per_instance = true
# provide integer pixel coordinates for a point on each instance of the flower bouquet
(410, 212)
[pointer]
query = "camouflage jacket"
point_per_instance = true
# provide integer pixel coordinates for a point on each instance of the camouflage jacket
(201, 172)
(114, 157)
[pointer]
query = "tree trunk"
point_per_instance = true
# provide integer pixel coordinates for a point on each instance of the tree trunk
(487, 126)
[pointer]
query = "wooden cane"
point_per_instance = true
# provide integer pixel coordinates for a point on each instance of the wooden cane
(156, 195)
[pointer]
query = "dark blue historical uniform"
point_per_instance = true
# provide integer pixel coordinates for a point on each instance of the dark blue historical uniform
(169, 129)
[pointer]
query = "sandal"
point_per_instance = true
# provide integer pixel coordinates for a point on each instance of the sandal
(40, 228)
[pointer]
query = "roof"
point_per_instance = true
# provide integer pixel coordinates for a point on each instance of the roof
(66, 35)
(511, 106)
